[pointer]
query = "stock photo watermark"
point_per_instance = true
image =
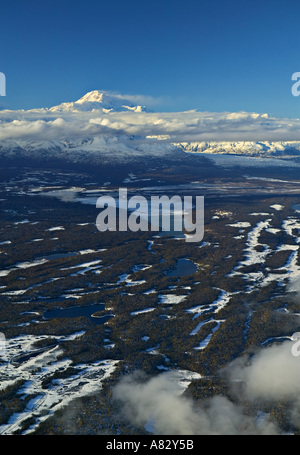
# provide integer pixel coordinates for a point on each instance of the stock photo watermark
(160, 213)
(296, 86)
(2, 346)
(2, 84)
(296, 346)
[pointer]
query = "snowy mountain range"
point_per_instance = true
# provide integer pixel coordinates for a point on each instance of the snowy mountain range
(250, 148)
(116, 127)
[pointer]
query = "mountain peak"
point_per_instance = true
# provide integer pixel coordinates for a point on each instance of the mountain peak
(94, 96)
(100, 100)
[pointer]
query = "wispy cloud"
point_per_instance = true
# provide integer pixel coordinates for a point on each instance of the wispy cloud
(143, 100)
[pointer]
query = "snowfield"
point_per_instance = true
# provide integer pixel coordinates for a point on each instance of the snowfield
(37, 368)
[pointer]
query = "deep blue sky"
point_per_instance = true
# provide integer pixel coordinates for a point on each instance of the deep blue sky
(193, 54)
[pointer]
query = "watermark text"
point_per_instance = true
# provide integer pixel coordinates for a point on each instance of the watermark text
(159, 213)
(296, 86)
(2, 84)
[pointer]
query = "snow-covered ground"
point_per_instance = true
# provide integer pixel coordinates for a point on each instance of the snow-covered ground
(287, 275)
(171, 299)
(205, 342)
(213, 307)
(35, 369)
(88, 377)
(290, 271)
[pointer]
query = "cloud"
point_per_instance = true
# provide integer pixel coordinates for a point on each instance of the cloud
(174, 127)
(156, 405)
(139, 100)
(25, 129)
(270, 375)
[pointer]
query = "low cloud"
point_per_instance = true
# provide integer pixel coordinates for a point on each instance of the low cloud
(270, 375)
(174, 127)
(155, 405)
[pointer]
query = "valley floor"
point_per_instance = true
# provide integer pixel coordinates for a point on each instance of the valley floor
(80, 308)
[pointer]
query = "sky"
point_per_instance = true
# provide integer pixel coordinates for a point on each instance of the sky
(211, 55)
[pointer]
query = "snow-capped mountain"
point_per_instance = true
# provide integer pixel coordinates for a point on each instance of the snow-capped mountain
(106, 126)
(100, 101)
(98, 149)
(250, 148)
